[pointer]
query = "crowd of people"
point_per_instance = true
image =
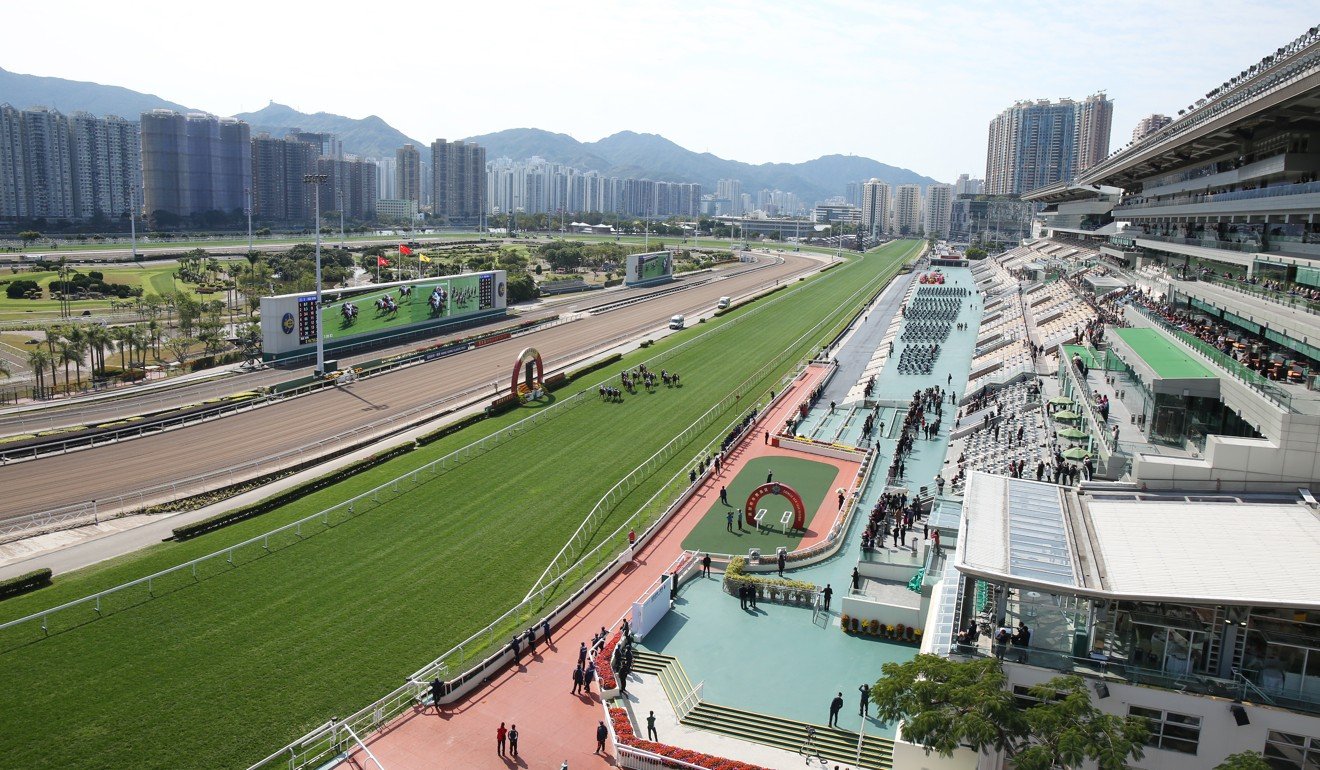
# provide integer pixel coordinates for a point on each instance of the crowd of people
(892, 516)
(922, 419)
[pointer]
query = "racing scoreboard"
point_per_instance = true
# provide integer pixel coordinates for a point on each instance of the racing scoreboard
(306, 319)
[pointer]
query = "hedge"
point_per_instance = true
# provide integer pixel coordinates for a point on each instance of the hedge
(589, 368)
(735, 572)
(221, 520)
(25, 583)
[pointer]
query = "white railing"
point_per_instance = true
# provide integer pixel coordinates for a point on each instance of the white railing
(366, 750)
(638, 759)
(689, 701)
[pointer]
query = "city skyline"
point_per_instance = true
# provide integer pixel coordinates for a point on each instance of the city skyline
(974, 74)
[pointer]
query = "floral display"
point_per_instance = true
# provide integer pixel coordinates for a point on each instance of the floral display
(623, 734)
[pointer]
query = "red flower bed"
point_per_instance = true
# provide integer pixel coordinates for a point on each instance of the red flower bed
(623, 733)
(603, 670)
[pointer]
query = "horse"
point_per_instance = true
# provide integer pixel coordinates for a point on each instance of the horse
(386, 304)
(437, 300)
(405, 291)
(349, 312)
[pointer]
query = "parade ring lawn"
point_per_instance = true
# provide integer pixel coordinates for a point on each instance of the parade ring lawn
(813, 480)
(221, 672)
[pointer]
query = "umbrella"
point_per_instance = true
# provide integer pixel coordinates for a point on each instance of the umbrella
(1071, 433)
(1061, 400)
(1076, 453)
(1067, 415)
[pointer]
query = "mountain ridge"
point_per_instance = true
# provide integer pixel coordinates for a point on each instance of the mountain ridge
(622, 154)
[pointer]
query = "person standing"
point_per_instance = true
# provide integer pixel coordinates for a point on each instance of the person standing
(751, 596)
(577, 680)
(841, 498)
(781, 557)
(856, 579)
(827, 593)
(728, 521)
(582, 655)
(513, 741)
(836, 706)
(500, 735)
(651, 734)
(767, 437)
(935, 541)
(545, 630)
(602, 733)
(531, 640)
(437, 692)
(769, 477)
(705, 565)
(864, 708)
(516, 649)
(724, 496)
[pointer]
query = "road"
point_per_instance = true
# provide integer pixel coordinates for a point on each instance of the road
(128, 403)
(108, 472)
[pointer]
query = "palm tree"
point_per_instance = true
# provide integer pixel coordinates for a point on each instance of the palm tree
(53, 339)
(36, 360)
(98, 338)
(119, 334)
(68, 354)
(78, 347)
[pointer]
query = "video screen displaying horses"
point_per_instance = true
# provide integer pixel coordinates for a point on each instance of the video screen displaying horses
(406, 304)
(289, 321)
(643, 268)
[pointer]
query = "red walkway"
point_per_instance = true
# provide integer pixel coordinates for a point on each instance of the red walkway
(555, 725)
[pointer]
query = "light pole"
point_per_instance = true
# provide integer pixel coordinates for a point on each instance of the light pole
(316, 180)
(132, 221)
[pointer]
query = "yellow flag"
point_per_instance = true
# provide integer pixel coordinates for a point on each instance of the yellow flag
(422, 257)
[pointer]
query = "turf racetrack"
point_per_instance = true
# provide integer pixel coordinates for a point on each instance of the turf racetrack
(811, 479)
(222, 672)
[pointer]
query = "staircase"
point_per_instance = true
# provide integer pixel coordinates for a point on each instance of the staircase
(779, 732)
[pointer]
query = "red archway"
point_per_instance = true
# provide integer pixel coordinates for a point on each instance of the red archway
(776, 488)
(527, 358)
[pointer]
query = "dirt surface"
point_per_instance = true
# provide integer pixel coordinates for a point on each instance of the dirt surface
(248, 439)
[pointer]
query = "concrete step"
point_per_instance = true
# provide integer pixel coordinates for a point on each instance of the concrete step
(789, 735)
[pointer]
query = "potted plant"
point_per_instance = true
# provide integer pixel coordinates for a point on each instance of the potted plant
(843, 623)
(875, 628)
(854, 625)
(910, 632)
(916, 636)
(898, 631)
(889, 632)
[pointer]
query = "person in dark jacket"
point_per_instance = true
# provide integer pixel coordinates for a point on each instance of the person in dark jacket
(602, 734)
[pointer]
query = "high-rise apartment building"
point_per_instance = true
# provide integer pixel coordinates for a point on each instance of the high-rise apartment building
(907, 209)
(1095, 118)
(458, 181)
(106, 160)
(76, 167)
(194, 164)
(1149, 125)
(1033, 144)
(408, 170)
(350, 186)
(939, 208)
(38, 169)
(875, 207)
(278, 167)
(730, 190)
(386, 178)
(968, 186)
(852, 194)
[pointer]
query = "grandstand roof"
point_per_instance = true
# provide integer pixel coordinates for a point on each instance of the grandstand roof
(1140, 546)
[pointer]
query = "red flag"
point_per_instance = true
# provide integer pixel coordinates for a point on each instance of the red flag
(404, 250)
(382, 262)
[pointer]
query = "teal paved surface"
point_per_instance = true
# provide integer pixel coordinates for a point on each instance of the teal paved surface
(777, 660)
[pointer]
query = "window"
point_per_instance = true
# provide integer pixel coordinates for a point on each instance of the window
(1170, 731)
(1292, 752)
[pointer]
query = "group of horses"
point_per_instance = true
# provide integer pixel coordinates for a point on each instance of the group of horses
(631, 378)
(388, 305)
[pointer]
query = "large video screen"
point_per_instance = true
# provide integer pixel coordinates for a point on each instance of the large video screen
(289, 322)
(649, 267)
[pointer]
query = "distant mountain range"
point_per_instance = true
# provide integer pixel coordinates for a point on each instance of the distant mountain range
(625, 154)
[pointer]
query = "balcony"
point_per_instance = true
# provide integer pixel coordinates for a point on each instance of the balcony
(1245, 247)
(1274, 191)
(1281, 298)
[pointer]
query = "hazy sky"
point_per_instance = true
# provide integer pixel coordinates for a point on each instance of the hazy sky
(910, 84)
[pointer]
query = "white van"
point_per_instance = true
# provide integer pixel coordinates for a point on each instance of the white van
(724, 302)
(676, 322)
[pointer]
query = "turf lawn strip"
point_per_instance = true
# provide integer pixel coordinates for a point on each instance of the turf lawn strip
(810, 478)
(220, 673)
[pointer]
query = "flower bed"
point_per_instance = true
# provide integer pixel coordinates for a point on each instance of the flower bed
(603, 670)
(623, 733)
(893, 633)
